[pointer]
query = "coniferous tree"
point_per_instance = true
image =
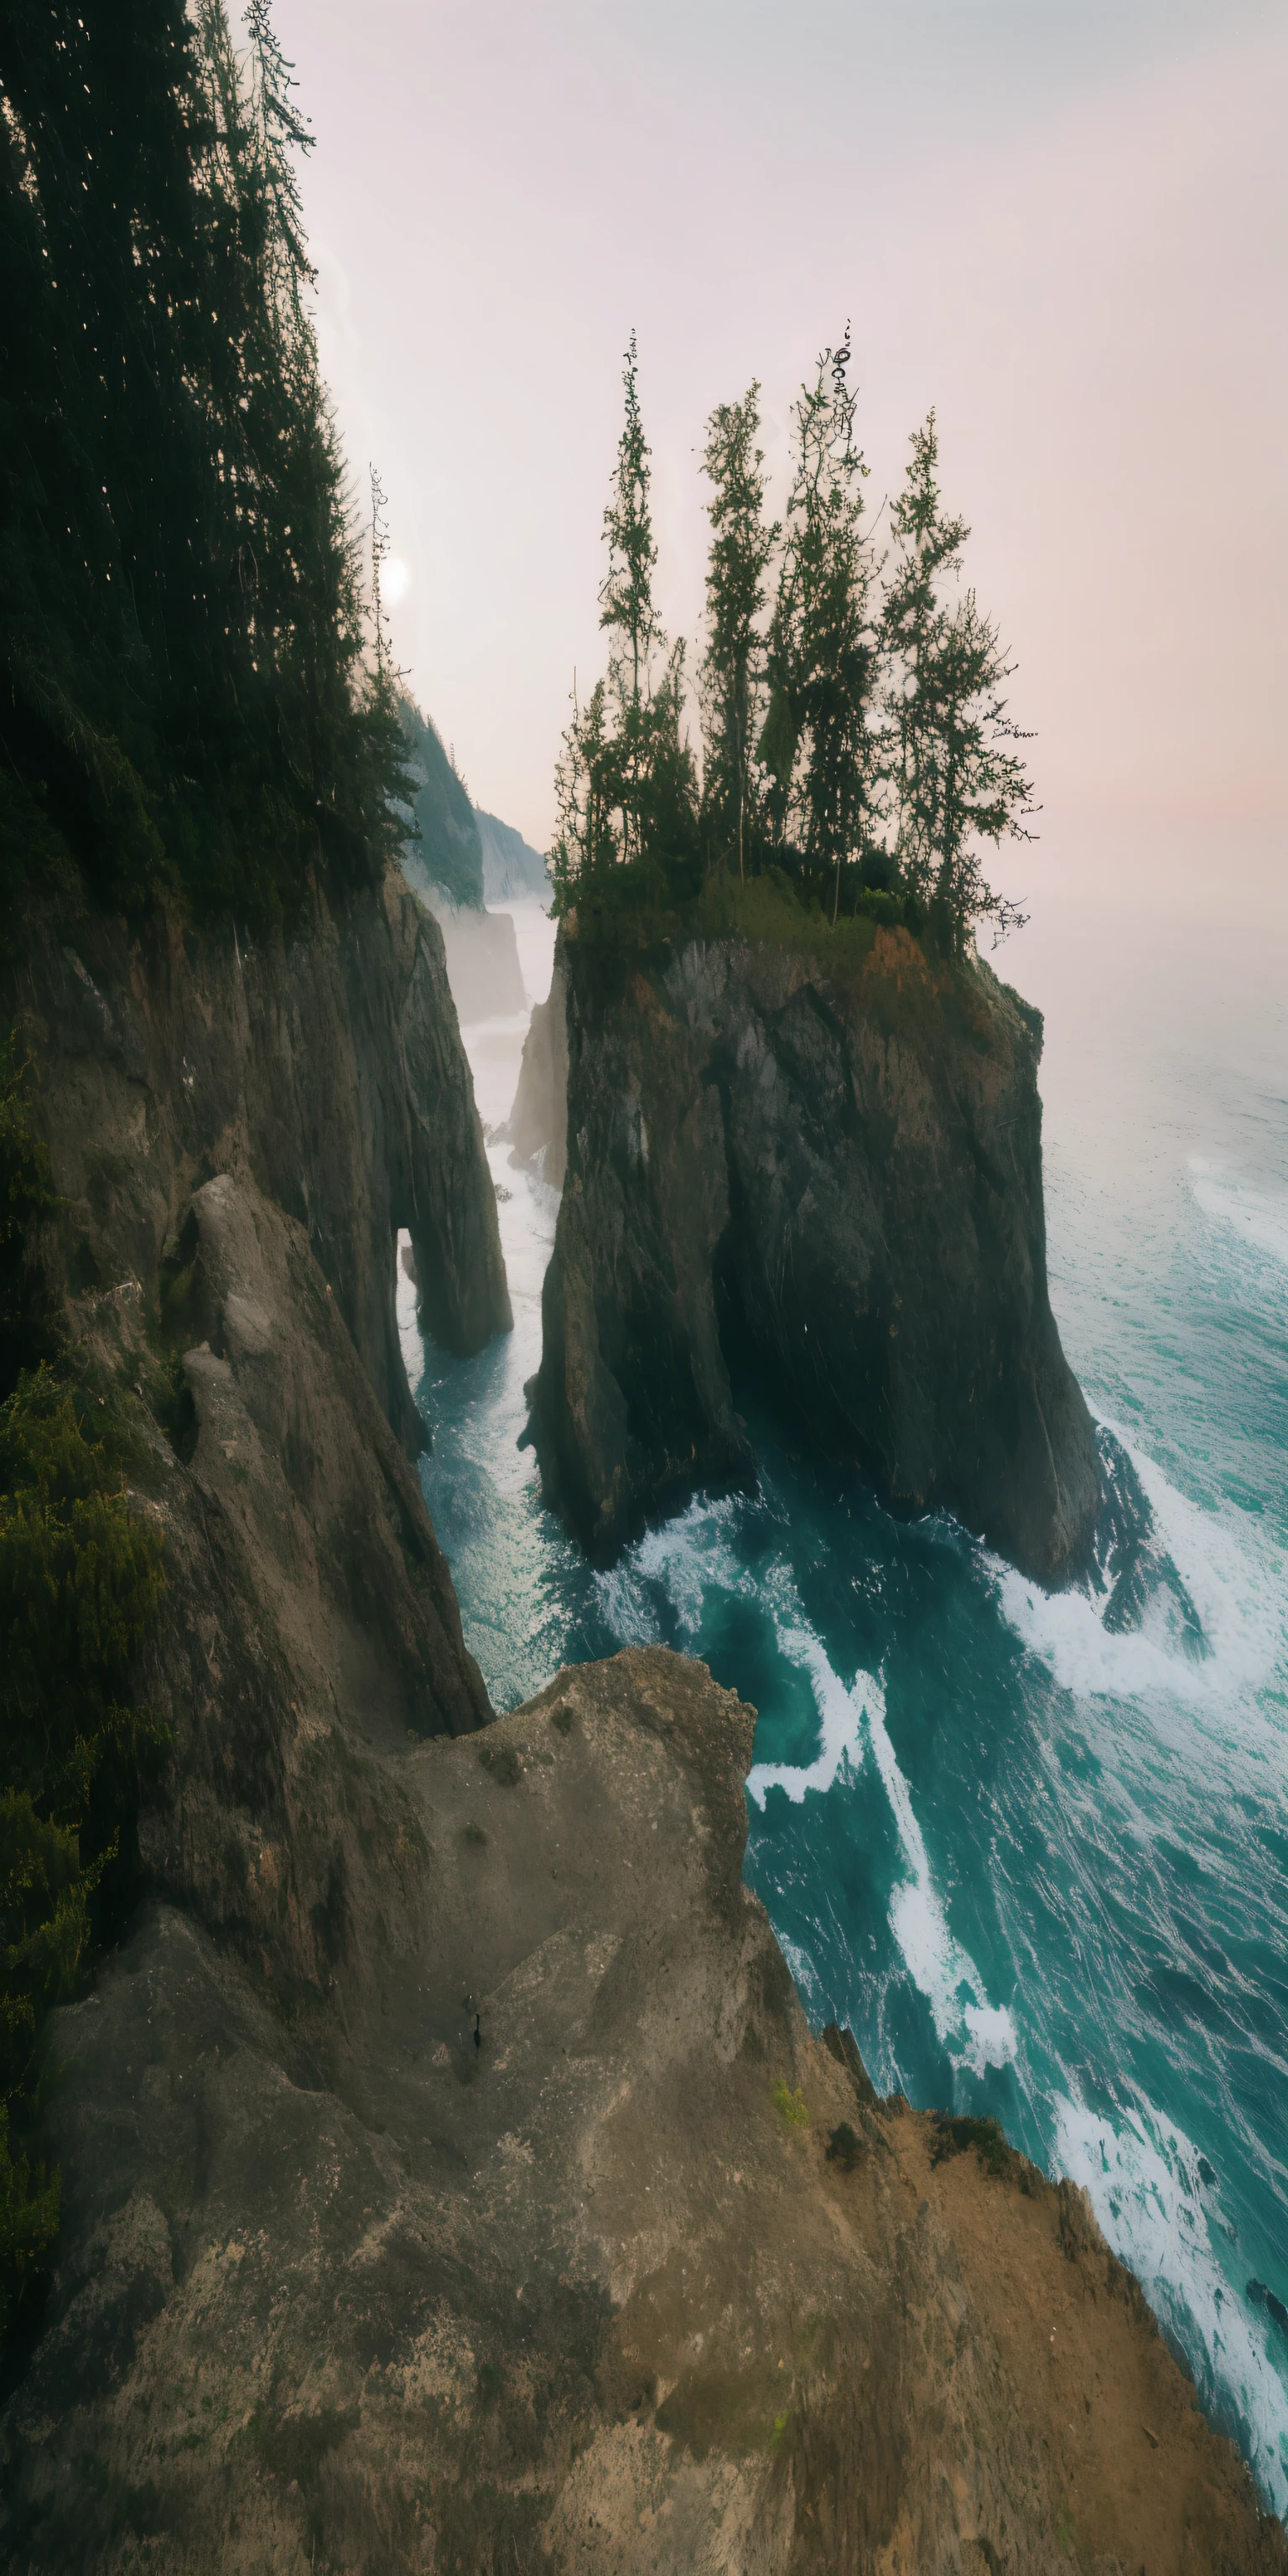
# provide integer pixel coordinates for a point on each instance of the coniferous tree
(627, 610)
(742, 545)
(818, 742)
(957, 779)
(181, 631)
(585, 842)
(625, 786)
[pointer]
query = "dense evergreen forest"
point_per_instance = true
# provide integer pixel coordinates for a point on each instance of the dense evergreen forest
(858, 753)
(184, 701)
(450, 852)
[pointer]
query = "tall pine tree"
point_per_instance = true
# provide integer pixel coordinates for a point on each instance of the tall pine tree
(742, 545)
(624, 784)
(958, 779)
(818, 742)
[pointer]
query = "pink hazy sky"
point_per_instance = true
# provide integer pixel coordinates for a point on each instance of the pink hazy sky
(1061, 222)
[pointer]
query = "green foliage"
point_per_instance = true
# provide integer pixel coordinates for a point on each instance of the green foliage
(626, 785)
(645, 908)
(501, 1762)
(44, 1926)
(733, 669)
(26, 1196)
(447, 848)
(626, 598)
(860, 749)
(29, 2208)
(790, 2105)
(957, 780)
(80, 1584)
(845, 2147)
(817, 742)
(956, 2136)
(181, 623)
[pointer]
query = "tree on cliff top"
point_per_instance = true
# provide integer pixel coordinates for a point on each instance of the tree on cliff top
(625, 784)
(817, 740)
(957, 779)
(733, 668)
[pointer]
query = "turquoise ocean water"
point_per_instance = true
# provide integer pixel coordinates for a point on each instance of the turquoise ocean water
(1034, 1850)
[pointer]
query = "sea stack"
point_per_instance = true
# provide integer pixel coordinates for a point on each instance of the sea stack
(825, 1180)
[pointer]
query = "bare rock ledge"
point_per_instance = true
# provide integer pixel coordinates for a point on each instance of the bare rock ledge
(591, 2296)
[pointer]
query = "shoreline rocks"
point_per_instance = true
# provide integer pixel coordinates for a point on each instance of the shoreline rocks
(594, 2295)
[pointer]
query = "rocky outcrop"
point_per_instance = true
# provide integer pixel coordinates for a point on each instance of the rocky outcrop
(513, 872)
(483, 967)
(450, 2181)
(237, 1131)
(539, 1118)
(327, 1067)
(831, 1184)
(644, 2283)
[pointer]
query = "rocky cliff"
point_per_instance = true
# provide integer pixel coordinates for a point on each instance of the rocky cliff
(237, 1132)
(450, 2181)
(539, 1118)
(831, 1183)
(482, 956)
(641, 2280)
(513, 872)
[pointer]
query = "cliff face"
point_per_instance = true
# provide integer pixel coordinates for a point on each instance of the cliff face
(593, 2295)
(327, 1068)
(236, 1134)
(348, 2277)
(836, 1184)
(513, 872)
(482, 962)
(539, 1118)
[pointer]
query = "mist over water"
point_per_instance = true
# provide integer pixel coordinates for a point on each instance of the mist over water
(1034, 1849)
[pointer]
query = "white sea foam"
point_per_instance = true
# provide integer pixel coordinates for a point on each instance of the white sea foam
(975, 2032)
(1235, 1574)
(1066, 1631)
(409, 1332)
(691, 1556)
(1258, 1217)
(1236, 1577)
(1144, 2185)
(841, 1714)
(628, 1611)
(805, 1976)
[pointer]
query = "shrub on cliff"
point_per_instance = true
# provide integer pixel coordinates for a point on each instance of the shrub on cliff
(80, 1582)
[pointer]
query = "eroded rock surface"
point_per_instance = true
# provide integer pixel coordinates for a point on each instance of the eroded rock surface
(235, 1135)
(539, 1118)
(834, 1185)
(592, 2296)
(325, 1067)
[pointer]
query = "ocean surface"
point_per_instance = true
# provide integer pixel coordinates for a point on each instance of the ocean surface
(1033, 1850)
